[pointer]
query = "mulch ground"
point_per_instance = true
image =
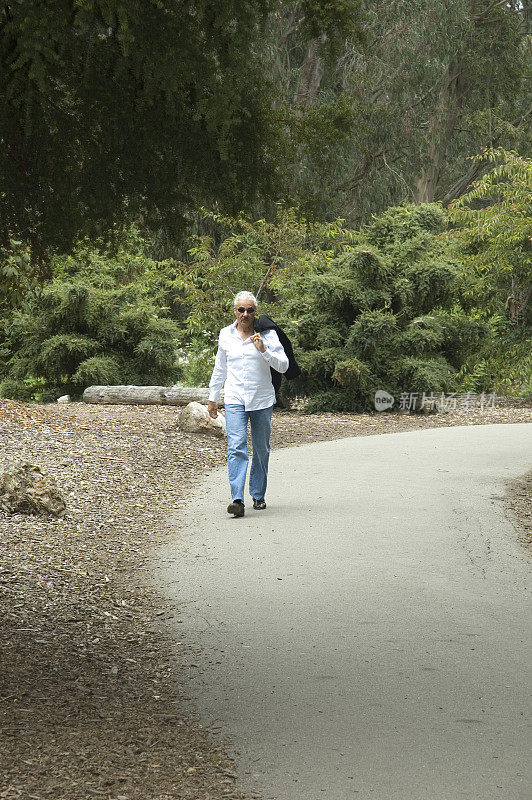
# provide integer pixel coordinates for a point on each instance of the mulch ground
(88, 704)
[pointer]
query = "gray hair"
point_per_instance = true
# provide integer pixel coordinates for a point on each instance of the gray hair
(244, 296)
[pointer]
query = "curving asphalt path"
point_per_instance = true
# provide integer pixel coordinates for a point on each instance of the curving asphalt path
(368, 635)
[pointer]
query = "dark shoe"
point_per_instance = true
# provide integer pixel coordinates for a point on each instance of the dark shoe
(236, 508)
(258, 505)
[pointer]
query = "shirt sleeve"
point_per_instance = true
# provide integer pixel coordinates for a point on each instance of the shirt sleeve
(275, 355)
(219, 373)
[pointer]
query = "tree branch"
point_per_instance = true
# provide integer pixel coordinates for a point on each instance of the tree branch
(477, 167)
(482, 17)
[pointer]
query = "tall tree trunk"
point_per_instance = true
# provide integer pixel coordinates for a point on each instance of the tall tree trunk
(310, 77)
(464, 182)
(440, 132)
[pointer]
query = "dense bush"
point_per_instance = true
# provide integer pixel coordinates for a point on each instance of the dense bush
(408, 304)
(492, 235)
(383, 315)
(96, 322)
(261, 257)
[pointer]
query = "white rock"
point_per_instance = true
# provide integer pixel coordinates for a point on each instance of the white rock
(65, 398)
(195, 418)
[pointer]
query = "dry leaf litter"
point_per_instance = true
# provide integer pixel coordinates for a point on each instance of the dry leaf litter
(88, 699)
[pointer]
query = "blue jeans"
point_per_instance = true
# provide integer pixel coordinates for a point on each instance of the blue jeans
(236, 418)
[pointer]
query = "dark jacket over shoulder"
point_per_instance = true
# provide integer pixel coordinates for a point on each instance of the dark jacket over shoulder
(265, 323)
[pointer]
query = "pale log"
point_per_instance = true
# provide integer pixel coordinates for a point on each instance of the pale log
(147, 395)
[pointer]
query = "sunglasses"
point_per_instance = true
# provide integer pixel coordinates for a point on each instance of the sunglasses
(246, 310)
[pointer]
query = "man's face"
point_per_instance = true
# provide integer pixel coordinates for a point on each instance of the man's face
(245, 312)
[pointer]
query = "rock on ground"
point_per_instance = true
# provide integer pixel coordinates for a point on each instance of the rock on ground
(194, 418)
(25, 490)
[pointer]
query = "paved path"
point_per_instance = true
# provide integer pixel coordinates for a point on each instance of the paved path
(368, 635)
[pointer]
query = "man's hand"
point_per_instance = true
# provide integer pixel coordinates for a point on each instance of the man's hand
(212, 408)
(257, 341)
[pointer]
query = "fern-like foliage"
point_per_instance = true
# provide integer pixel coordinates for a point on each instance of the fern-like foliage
(91, 326)
(370, 319)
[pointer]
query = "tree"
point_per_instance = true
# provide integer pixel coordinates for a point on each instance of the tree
(418, 88)
(117, 108)
(495, 236)
(15, 277)
(113, 110)
(479, 76)
(262, 257)
(16, 287)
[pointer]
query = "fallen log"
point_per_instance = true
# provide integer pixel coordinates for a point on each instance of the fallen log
(147, 395)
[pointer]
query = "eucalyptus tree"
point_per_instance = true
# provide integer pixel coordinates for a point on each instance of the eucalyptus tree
(416, 89)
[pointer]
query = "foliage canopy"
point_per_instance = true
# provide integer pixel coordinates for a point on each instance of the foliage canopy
(415, 90)
(114, 108)
(140, 109)
(494, 231)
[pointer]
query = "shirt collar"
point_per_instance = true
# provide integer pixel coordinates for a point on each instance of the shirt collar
(234, 331)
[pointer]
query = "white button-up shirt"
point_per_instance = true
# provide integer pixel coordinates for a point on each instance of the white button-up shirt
(245, 370)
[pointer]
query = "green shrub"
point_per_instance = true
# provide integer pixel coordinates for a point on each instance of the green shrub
(82, 332)
(492, 235)
(98, 371)
(378, 316)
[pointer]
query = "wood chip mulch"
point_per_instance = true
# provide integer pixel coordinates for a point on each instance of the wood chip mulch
(88, 699)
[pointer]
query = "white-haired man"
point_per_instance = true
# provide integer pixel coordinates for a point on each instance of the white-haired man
(243, 364)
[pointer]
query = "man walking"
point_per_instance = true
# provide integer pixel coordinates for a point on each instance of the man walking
(243, 364)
